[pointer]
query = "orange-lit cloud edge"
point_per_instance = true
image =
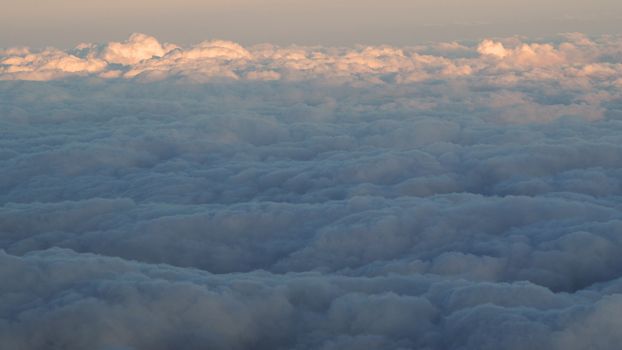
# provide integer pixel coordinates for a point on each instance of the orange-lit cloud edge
(573, 58)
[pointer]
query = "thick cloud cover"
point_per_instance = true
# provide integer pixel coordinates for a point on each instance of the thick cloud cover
(449, 196)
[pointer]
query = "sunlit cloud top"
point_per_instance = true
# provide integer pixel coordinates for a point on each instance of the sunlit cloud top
(570, 59)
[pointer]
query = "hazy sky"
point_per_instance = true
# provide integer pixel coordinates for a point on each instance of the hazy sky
(64, 23)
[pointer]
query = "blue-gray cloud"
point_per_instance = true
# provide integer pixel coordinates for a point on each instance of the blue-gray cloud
(300, 210)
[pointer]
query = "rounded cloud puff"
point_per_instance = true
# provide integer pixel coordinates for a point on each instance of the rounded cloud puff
(219, 49)
(137, 48)
(492, 48)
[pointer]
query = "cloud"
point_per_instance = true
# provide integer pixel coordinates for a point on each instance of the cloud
(492, 48)
(137, 48)
(143, 57)
(448, 196)
(112, 303)
(46, 65)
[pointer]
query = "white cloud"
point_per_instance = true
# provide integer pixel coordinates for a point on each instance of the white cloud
(49, 64)
(143, 56)
(137, 48)
(492, 48)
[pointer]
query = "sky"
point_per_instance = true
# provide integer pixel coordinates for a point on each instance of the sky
(65, 23)
(170, 183)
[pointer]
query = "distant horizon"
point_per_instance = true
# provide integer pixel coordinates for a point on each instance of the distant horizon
(308, 43)
(549, 39)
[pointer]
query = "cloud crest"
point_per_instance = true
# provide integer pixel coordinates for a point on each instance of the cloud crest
(143, 56)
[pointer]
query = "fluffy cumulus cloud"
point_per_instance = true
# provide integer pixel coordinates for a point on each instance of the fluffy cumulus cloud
(568, 58)
(137, 48)
(447, 196)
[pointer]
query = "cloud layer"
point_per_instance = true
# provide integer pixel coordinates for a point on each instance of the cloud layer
(570, 57)
(452, 196)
